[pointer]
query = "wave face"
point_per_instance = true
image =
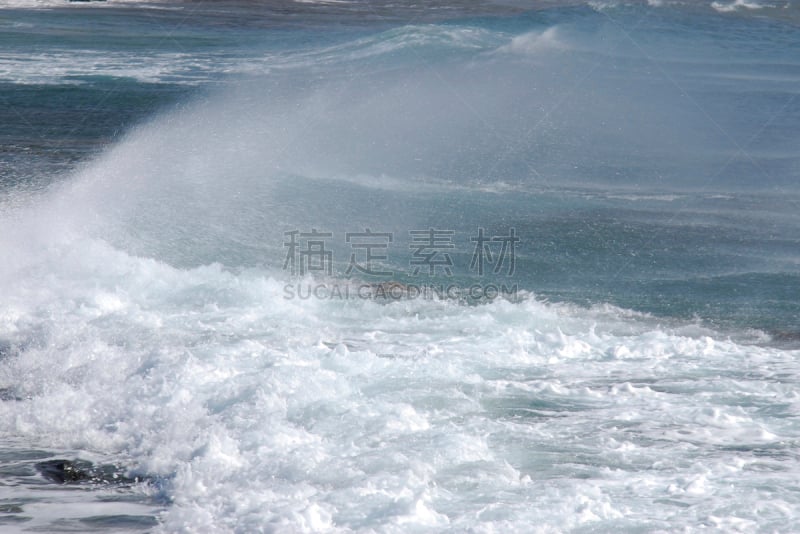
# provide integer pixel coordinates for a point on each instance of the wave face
(639, 373)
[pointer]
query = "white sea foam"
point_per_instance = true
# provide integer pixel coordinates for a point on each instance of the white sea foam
(534, 42)
(313, 415)
(323, 2)
(634, 198)
(727, 7)
(40, 4)
(76, 66)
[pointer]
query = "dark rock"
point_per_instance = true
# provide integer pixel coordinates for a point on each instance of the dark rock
(64, 471)
(81, 471)
(8, 394)
(10, 509)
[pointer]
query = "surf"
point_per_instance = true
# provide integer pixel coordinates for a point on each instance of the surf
(149, 347)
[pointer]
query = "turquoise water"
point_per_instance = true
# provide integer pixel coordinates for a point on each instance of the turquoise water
(664, 173)
(157, 158)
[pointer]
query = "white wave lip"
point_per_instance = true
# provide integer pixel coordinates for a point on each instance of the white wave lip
(40, 4)
(723, 7)
(534, 42)
(67, 66)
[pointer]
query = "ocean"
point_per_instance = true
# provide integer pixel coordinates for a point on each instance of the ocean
(351, 266)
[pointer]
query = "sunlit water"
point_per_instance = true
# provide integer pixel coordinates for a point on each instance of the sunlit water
(639, 373)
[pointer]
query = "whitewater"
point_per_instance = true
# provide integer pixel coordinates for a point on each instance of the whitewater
(159, 373)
